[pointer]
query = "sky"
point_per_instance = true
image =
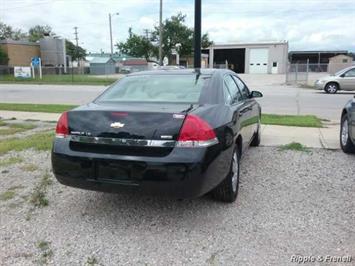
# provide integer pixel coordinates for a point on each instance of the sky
(306, 24)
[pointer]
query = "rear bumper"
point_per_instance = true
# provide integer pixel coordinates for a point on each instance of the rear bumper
(184, 173)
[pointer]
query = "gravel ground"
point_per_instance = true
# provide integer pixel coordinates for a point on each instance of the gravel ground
(290, 203)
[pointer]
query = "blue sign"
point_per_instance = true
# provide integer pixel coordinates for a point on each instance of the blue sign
(35, 61)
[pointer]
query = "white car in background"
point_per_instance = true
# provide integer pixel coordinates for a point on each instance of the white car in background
(342, 80)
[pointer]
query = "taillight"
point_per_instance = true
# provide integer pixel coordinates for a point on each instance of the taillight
(196, 132)
(62, 129)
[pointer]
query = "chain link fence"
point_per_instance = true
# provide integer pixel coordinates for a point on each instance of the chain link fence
(58, 75)
(307, 74)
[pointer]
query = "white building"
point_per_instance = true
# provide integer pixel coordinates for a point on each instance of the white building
(265, 57)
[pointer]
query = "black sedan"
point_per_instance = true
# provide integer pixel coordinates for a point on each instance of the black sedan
(178, 133)
(347, 128)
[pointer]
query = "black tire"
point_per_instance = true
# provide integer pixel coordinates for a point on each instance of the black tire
(256, 138)
(226, 191)
(345, 142)
(331, 88)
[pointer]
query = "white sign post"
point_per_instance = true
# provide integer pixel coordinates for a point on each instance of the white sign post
(40, 68)
(33, 71)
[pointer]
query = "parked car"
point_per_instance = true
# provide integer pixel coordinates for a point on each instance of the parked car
(179, 133)
(342, 80)
(171, 67)
(347, 128)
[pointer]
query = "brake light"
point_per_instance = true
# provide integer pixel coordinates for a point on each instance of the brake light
(196, 132)
(62, 129)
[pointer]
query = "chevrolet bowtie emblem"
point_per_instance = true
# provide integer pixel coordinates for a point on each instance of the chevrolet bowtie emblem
(116, 125)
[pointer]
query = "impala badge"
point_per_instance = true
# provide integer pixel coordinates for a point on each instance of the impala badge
(116, 125)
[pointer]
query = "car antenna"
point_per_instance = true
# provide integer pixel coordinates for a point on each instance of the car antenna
(188, 109)
(198, 74)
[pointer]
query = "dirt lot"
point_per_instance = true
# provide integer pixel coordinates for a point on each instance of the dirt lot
(290, 203)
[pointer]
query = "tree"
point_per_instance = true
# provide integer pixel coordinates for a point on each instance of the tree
(3, 57)
(7, 32)
(175, 31)
(75, 53)
(205, 41)
(38, 32)
(138, 46)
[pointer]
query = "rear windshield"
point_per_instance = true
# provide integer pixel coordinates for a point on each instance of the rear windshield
(157, 88)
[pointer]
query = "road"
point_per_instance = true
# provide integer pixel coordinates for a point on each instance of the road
(278, 98)
(59, 94)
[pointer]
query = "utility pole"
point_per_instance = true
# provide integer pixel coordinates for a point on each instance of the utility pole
(109, 19)
(197, 37)
(146, 33)
(110, 23)
(161, 33)
(77, 45)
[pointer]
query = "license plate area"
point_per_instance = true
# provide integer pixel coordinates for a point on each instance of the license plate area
(112, 171)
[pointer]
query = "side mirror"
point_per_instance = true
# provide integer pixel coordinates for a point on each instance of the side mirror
(342, 75)
(256, 94)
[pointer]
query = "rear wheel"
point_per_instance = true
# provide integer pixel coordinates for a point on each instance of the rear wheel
(227, 191)
(345, 141)
(331, 87)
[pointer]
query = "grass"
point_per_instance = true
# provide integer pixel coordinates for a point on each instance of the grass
(38, 197)
(294, 146)
(60, 79)
(7, 195)
(10, 193)
(291, 120)
(13, 128)
(92, 261)
(46, 252)
(42, 108)
(10, 161)
(40, 142)
(29, 168)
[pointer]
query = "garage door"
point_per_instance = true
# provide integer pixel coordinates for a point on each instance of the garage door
(258, 60)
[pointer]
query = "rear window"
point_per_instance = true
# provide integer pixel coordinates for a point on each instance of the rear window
(157, 88)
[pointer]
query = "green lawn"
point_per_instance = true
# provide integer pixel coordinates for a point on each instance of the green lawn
(42, 108)
(40, 141)
(294, 146)
(60, 79)
(291, 120)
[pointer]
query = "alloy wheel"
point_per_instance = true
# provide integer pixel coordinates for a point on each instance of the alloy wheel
(332, 88)
(345, 132)
(235, 172)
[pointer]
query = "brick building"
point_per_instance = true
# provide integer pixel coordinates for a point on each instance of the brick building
(20, 52)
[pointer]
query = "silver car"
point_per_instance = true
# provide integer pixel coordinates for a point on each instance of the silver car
(342, 80)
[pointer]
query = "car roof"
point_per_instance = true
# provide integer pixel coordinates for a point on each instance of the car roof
(192, 71)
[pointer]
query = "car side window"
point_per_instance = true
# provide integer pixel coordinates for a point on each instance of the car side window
(232, 90)
(350, 73)
(242, 87)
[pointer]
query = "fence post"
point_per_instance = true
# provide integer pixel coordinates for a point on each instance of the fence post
(296, 74)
